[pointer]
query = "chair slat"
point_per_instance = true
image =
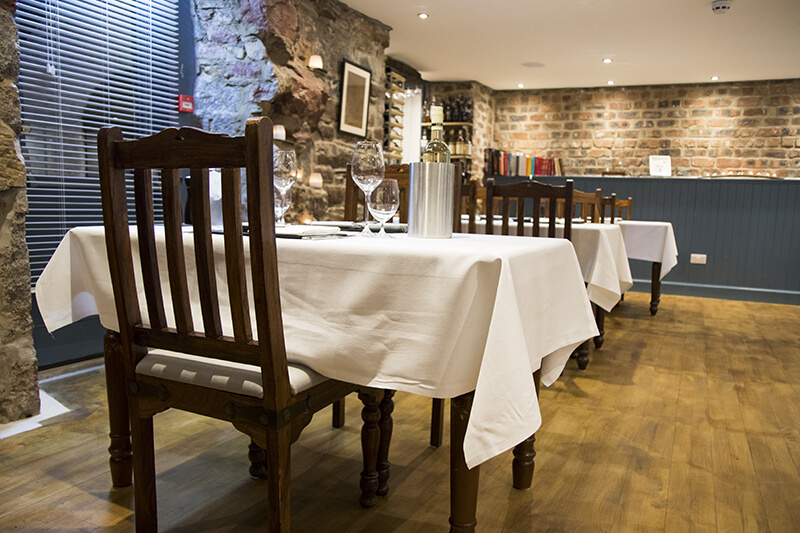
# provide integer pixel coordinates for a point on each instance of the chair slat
(520, 217)
(234, 254)
(204, 253)
(143, 192)
(176, 263)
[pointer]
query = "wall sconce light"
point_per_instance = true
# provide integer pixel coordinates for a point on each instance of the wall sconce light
(315, 62)
(315, 179)
(278, 132)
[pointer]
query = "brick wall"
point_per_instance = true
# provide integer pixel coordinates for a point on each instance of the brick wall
(707, 129)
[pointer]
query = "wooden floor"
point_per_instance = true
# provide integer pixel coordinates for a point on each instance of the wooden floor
(687, 421)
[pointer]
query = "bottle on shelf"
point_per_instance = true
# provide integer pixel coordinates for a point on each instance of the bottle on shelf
(467, 145)
(460, 143)
(426, 114)
(450, 139)
(436, 151)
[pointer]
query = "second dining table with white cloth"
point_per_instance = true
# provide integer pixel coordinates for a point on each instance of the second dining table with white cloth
(436, 317)
(655, 242)
(601, 254)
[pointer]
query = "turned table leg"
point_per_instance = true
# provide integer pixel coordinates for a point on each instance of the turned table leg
(463, 481)
(655, 288)
(386, 426)
(120, 462)
(524, 453)
(437, 422)
(600, 319)
(370, 440)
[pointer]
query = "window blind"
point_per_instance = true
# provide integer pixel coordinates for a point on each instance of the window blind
(85, 64)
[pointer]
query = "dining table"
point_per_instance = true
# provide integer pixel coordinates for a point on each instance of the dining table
(602, 256)
(469, 318)
(651, 241)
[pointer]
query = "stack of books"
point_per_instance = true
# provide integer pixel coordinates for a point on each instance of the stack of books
(502, 163)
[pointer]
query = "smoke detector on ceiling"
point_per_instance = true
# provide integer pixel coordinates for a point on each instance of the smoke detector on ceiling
(720, 6)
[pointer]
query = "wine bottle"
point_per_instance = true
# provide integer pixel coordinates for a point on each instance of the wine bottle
(461, 148)
(436, 151)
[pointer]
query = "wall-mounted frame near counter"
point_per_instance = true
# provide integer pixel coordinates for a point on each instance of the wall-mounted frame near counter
(354, 110)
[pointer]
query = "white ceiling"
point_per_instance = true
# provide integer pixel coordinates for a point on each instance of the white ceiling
(651, 42)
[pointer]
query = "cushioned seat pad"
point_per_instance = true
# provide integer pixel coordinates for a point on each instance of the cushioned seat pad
(222, 375)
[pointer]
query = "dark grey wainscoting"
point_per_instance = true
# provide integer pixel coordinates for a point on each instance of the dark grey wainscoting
(748, 228)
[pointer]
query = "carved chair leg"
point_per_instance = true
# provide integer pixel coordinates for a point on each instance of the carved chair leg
(144, 472)
(370, 440)
(278, 477)
(437, 422)
(258, 458)
(386, 426)
(338, 413)
(463, 481)
(120, 449)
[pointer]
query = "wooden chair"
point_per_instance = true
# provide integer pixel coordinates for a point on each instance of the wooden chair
(608, 203)
(589, 204)
(538, 193)
(237, 372)
(623, 204)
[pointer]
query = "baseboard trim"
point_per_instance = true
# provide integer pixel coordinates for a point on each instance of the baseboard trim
(723, 292)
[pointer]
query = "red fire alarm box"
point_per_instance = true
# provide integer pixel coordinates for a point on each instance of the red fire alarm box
(185, 103)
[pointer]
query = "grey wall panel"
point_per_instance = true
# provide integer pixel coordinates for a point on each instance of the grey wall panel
(749, 229)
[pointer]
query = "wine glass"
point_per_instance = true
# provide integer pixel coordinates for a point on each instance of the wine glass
(282, 202)
(284, 169)
(383, 202)
(367, 170)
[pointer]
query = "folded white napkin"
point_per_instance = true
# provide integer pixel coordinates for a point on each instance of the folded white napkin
(305, 230)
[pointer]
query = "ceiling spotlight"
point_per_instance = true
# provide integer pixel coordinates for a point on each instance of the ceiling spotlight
(607, 60)
(714, 78)
(423, 16)
(520, 85)
(611, 82)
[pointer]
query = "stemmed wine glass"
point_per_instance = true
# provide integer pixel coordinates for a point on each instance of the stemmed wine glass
(284, 174)
(383, 202)
(367, 168)
(281, 205)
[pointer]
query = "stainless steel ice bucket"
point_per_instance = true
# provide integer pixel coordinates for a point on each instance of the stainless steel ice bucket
(430, 205)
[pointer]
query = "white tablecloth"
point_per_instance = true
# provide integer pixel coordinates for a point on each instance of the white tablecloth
(434, 317)
(601, 253)
(650, 241)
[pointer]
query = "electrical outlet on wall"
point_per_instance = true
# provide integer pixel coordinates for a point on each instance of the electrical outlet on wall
(698, 259)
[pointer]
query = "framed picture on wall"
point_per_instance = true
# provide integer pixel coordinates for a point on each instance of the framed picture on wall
(355, 99)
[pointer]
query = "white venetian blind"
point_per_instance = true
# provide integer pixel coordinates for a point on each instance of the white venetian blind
(85, 64)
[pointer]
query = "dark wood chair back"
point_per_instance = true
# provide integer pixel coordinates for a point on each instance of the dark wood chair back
(537, 193)
(608, 204)
(272, 421)
(468, 204)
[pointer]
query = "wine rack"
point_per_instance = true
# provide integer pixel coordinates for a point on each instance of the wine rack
(393, 117)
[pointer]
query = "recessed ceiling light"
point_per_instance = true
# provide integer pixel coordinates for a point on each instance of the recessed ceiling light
(607, 60)
(611, 82)
(714, 78)
(521, 85)
(533, 64)
(423, 16)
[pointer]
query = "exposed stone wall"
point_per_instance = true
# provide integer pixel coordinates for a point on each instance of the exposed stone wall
(482, 115)
(707, 129)
(19, 389)
(252, 58)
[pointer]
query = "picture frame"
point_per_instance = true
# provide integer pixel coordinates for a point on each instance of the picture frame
(354, 105)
